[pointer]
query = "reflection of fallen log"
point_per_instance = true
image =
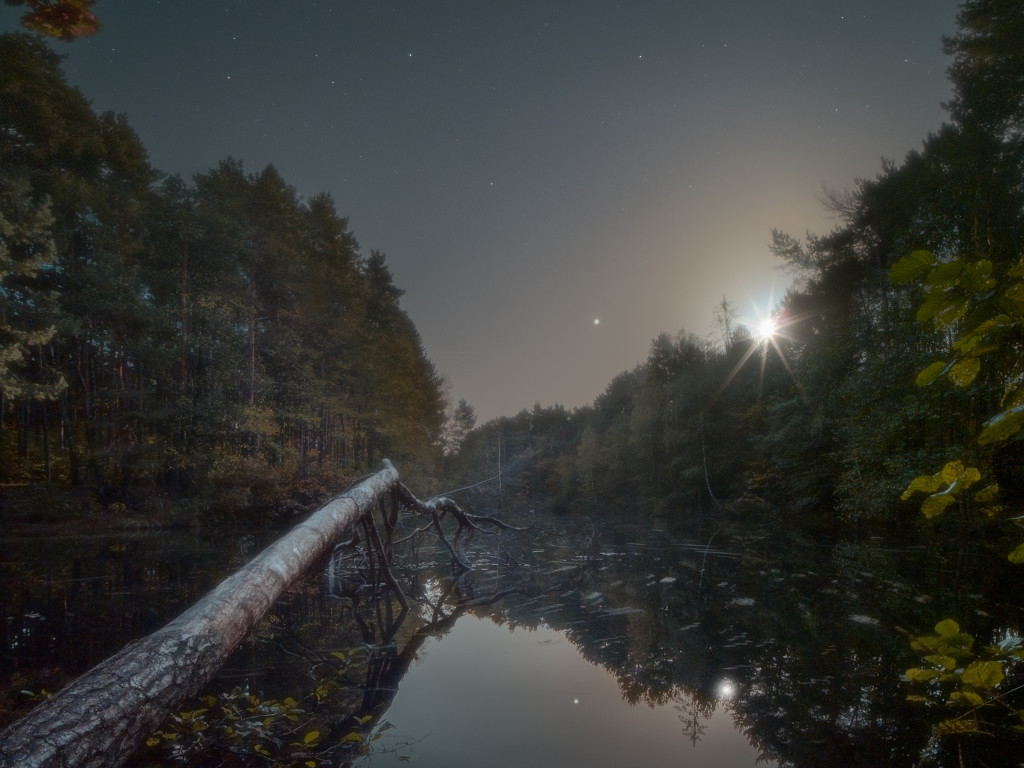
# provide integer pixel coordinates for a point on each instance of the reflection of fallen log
(100, 718)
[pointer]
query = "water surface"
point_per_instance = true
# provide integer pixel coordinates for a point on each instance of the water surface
(488, 695)
(620, 639)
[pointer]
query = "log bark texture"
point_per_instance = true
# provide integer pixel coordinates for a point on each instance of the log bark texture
(103, 716)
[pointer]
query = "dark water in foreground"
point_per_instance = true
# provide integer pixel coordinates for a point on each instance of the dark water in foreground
(622, 641)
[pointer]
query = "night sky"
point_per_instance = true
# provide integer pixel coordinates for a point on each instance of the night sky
(529, 167)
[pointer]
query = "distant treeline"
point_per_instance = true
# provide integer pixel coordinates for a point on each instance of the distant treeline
(161, 339)
(826, 421)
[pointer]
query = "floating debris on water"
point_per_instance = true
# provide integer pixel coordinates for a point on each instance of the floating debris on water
(563, 568)
(859, 618)
(742, 601)
(667, 580)
(623, 611)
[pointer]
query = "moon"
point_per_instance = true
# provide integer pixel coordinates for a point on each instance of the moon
(766, 329)
(597, 321)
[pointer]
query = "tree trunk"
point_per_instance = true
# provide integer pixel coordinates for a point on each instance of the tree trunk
(103, 716)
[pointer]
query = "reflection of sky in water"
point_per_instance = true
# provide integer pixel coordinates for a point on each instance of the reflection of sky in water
(485, 696)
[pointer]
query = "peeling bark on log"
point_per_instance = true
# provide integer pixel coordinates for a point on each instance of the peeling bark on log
(103, 716)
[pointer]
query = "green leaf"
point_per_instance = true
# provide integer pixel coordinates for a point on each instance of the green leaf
(978, 275)
(934, 302)
(1002, 426)
(914, 266)
(965, 371)
(945, 275)
(1015, 292)
(934, 506)
(970, 342)
(311, 737)
(947, 628)
(984, 674)
(932, 372)
(946, 662)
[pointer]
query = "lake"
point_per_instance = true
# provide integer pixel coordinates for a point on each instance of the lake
(486, 695)
(616, 639)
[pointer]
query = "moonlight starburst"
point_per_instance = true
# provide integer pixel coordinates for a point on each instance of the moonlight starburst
(765, 330)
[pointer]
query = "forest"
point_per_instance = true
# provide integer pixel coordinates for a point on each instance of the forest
(892, 384)
(222, 343)
(169, 345)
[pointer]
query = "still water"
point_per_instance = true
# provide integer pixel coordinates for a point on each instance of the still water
(487, 695)
(622, 639)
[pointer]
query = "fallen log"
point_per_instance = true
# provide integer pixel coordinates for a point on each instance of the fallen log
(102, 717)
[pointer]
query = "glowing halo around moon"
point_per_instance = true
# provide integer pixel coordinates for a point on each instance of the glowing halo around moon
(597, 321)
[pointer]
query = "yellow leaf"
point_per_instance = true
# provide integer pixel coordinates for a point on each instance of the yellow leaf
(925, 483)
(311, 737)
(984, 674)
(1017, 556)
(952, 471)
(946, 662)
(987, 494)
(917, 675)
(934, 506)
(965, 371)
(929, 374)
(967, 698)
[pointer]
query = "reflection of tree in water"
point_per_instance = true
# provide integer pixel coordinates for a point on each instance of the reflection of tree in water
(808, 634)
(315, 679)
(693, 714)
